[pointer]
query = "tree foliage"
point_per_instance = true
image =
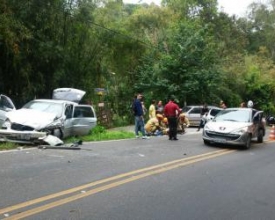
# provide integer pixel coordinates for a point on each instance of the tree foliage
(185, 48)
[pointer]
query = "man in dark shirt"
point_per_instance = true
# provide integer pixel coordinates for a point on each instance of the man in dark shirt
(204, 111)
(171, 111)
(139, 120)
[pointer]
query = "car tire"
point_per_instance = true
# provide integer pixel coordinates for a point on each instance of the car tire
(57, 133)
(260, 136)
(248, 142)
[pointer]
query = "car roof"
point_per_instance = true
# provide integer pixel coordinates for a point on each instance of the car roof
(239, 108)
(54, 101)
(200, 106)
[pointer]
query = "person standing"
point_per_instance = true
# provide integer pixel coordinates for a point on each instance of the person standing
(223, 105)
(152, 109)
(204, 112)
(171, 111)
(139, 120)
(159, 108)
(144, 108)
(242, 105)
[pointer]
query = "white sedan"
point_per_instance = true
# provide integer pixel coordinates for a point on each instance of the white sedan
(49, 120)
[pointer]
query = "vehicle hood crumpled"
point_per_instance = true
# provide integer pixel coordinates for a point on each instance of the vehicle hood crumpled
(226, 126)
(32, 118)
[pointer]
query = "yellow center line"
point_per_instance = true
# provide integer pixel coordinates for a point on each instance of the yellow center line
(131, 176)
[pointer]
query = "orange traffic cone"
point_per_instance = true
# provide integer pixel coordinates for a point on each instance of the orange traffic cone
(272, 133)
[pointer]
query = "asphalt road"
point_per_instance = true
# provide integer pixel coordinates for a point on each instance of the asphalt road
(139, 179)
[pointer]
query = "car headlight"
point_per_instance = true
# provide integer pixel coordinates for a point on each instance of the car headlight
(6, 124)
(240, 131)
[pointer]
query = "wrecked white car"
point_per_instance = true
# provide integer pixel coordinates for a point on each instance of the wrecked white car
(47, 120)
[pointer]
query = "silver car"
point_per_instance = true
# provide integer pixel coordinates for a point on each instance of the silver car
(235, 126)
(60, 117)
(193, 113)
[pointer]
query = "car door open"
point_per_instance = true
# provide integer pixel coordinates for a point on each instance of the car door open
(84, 119)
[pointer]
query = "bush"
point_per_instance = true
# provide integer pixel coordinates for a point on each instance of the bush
(98, 130)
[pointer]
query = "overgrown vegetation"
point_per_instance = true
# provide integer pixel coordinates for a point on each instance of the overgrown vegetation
(185, 48)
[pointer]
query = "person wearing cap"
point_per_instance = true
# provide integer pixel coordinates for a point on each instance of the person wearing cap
(183, 122)
(154, 124)
(171, 111)
(139, 120)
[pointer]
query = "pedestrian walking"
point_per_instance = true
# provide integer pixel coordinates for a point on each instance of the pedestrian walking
(139, 120)
(171, 111)
(204, 112)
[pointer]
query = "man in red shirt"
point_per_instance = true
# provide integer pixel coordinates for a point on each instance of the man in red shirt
(171, 111)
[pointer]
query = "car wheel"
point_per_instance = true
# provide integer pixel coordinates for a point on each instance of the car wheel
(260, 136)
(57, 133)
(206, 142)
(248, 142)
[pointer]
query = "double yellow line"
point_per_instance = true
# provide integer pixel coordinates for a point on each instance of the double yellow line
(34, 206)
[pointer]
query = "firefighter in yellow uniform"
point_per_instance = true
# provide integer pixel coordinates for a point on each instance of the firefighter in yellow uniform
(183, 122)
(154, 124)
(164, 126)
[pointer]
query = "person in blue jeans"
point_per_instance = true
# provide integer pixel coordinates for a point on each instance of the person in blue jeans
(139, 120)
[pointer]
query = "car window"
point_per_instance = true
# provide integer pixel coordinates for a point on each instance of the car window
(69, 111)
(213, 112)
(186, 109)
(5, 103)
(195, 111)
(234, 115)
(83, 111)
(56, 108)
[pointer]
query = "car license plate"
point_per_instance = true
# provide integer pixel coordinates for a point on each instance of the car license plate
(22, 136)
(219, 141)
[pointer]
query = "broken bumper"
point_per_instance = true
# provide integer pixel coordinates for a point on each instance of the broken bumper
(24, 137)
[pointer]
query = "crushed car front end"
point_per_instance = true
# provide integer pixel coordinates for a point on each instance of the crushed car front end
(28, 126)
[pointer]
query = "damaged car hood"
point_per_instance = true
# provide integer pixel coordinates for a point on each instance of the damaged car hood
(32, 118)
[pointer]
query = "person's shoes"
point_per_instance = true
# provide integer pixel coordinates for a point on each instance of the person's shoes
(137, 136)
(175, 139)
(198, 129)
(145, 137)
(170, 139)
